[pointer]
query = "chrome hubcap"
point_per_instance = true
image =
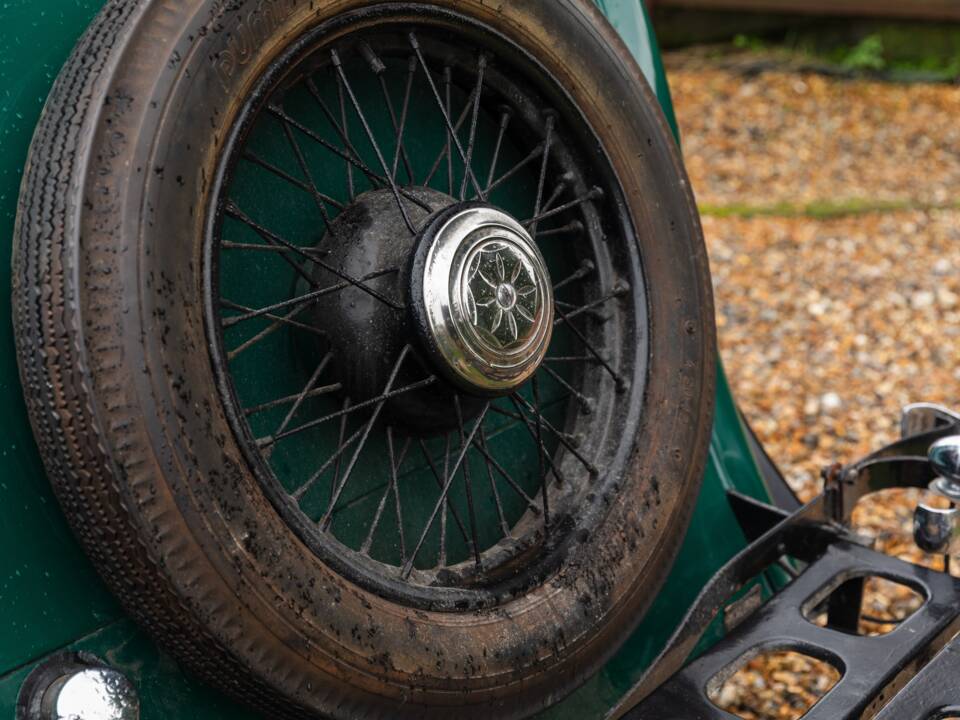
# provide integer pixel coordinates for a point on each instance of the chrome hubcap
(484, 298)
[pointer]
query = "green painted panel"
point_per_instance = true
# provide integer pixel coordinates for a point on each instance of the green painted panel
(630, 20)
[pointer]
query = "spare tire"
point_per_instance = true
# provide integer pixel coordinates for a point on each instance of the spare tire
(369, 345)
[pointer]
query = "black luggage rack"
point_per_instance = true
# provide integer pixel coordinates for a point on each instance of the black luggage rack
(910, 673)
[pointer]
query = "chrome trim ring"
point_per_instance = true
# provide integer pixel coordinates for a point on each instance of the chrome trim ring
(487, 299)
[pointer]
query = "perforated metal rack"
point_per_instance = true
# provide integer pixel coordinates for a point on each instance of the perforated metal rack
(910, 673)
(873, 667)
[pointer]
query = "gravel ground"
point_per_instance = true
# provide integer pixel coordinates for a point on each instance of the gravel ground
(801, 138)
(829, 327)
(832, 220)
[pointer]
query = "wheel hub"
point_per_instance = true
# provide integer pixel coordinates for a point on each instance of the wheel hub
(481, 298)
(478, 292)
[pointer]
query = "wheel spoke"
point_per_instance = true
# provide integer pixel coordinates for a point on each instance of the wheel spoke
(439, 478)
(269, 236)
(445, 151)
(267, 441)
(520, 404)
(541, 454)
(325, 520)
(316, 392)
(444, 510)
(504, 527)
(394, 469)
(574, 227)
(408, 566)
(447, 82)
(481, 66)
(554, 196)
(399, 150)
(551, 119)
(584, 401)
(297, 268)
(372, 176)
(343, 431)
(514, 485)
(257, 160)
(414, 43)
(257, 247)
(279, 321)
(390, 488)
(588, 346)
(505, 115)
(321, 366)
(468, 485)
(594, 194)
(338, 65)
(305, 169)
(355, 162)
(345, 133)
(618, 291)
(586, 267)
(335, 458)
(526, 422)
(533, 155)
(300, 300)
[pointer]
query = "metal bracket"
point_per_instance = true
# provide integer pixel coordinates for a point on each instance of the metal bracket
(810, 535)
(871, 666)
(918, 418)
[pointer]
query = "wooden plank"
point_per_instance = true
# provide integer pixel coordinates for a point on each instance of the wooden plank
(919, 9)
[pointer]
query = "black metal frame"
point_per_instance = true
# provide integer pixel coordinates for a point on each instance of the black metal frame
(817, 536)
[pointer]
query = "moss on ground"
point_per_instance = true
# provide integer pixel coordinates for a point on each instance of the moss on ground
(821, 209)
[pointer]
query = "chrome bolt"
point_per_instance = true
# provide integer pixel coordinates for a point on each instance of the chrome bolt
(935, 529)
(93, 693)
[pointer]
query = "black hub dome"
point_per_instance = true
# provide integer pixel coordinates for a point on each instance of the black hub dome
(366, 335)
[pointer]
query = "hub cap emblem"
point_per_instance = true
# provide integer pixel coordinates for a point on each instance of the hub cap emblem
(501, 295)
(487, 298)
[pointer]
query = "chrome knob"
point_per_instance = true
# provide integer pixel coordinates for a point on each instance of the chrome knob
(934, 529)
(76, 686)
(95, 693)
(944, 456)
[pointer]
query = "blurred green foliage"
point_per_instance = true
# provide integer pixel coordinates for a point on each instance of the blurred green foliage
(903, 50)
(866, 54)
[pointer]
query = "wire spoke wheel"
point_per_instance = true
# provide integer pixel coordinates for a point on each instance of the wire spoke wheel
(368, 345)
(433, 491)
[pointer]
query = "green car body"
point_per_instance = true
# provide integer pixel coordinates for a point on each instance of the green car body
(51, 599)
